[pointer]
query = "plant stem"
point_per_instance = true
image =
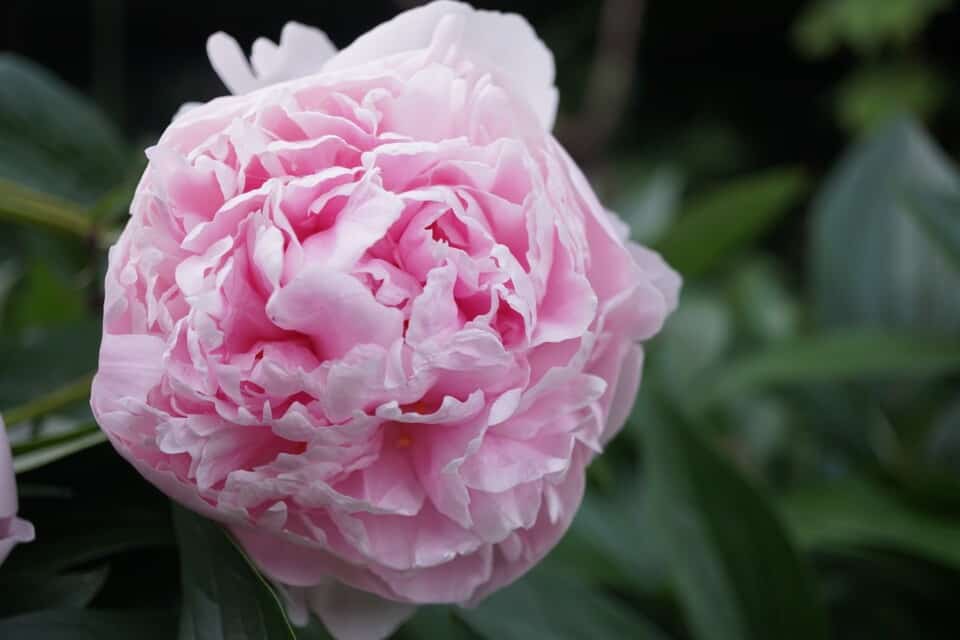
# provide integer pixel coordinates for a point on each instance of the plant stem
(22, 205)
(57, 399)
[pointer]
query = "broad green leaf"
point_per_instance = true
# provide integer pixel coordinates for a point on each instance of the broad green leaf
(863, 25)
(873, 264)
(39, 362)
(765, 309)
(858, 514)
(87, 624)
(939, 216)
(224, 596)
(838, 356)
(548, 606)
(650, 206)
(31, 591)
(602, 546)
(873, 96)
(52, 138)
(736, 571)
(720, 222)
(435, 622)
(45, 299)
(37, 453)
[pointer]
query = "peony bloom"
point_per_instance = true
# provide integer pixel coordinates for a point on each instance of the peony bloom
(369, 314)
(12, 528)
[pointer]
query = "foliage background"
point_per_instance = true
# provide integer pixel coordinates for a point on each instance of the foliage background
(791, 468)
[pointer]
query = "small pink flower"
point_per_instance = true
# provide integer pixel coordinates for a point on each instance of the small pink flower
(12, 529)
(373, 318)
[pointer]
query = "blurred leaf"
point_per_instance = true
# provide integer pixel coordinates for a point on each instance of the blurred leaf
(86, 624)
(24, 205)
(765, 308)
(864, 25)
(720, 222)
(873, 264)
(224, 596)
(52, 138)
(601, 546)
(650, 206)
(858, 514)
(74, 391)
(832, 357)
(43, 299)
(698, 336)
(73, 533)
(435, 622)
(42, 361)
(736, 571)
(38, 453)
(873, 96)
(549, 606)
(939, 216)
(30, 592)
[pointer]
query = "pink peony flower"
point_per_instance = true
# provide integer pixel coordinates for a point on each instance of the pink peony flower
(373, 318)
(12, 528)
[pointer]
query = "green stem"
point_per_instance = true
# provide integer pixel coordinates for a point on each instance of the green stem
(57, 399)
(22, 205)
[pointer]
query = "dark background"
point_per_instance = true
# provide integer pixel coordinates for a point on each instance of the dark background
(729, 73)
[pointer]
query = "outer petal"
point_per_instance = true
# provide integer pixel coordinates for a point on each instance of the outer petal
(505, 40)
(302, 51)
(350, 614)
(12, 528)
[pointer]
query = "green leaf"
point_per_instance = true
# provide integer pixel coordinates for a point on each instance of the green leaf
(22, 205)
(435, 622)
(938, 215)
(873, 96)
(224, 596)
(52, 139)
(86, 624)
(873, 264)
(864, 25)
(649, 206)
(549, 606)
(31, 591)
(736, 570)
(42, 361)
(37, 453)
(838, 356)
(858, 514)
(720, 222)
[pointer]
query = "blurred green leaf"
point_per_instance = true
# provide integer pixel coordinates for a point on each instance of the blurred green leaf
(30, 592)
(86, 624)
(435, 622)
(873, 96)
(873, 264)
(53, 139)
(863, 25)
(718, 223)
(858, 514)
(939, 216)
(736, 570)
(37, 453)
(837, 356)
(549, 606)
(41, 361)
(24, 205)
(43, 299)
(698, 336)
(224, 596)
(601, 546)
(74, 391)
(765, 308)
(649, 205)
